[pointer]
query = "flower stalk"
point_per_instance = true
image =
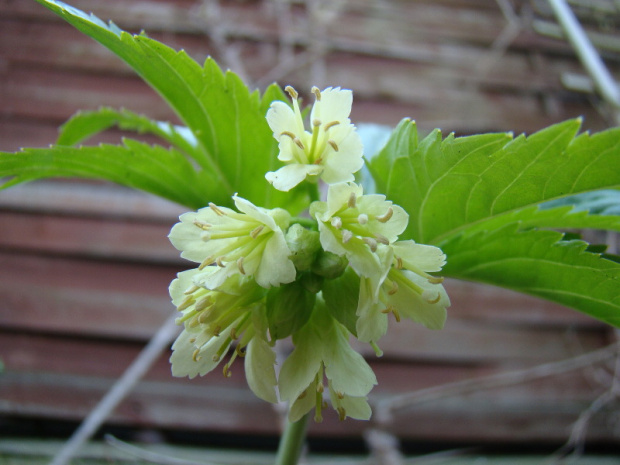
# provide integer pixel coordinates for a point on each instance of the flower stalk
(292, 441)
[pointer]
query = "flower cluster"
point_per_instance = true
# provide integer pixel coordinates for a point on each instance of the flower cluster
(263, 275)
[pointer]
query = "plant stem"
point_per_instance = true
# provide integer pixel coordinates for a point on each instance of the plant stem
(292, 442)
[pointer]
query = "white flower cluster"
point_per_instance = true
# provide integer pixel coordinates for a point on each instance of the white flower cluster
(230, 300)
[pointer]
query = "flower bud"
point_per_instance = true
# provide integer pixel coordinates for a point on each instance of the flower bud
(304, 245)
(329, 265)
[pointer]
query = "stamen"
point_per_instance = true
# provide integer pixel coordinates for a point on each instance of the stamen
(256, 231)
(340, 395)
(240, 351)
(396, 315)
(315, 90)
(233, 334)
(226, 371)
(435, 279)
(316, 122)
(206, 262)
(187, 302)
(217, 330)
(382, 239)
(216, 358)
(394, 289)
(399, 263)
(385, 218)
(370, 242)
(217, 211)
(336, 222)
(333, 145)
(202, 225)
(240, 265)
(292, 92)
(219, 262)
(375, 347)
(435, 300)
(190, 290)
(331, 125)
(302, 395)
(288, 133)
(362, 218)
(192, 340)
(346, 235)
(195, 356)
(203, 303)
(342, 413)
(299, 144)
(320, 388)
(352, 200)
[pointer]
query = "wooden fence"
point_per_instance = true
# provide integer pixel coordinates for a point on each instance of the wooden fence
(85, 266)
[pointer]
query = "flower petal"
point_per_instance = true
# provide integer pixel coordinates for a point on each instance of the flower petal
(275, 266)
(259, 363)
(424, 257)
(281, 118)
(185, 363)
(334, 105)
(289, 176)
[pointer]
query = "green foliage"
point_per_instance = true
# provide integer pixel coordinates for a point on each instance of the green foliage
(230, 139)
(478, 198)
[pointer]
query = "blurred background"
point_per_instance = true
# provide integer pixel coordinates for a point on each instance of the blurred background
(85, 266)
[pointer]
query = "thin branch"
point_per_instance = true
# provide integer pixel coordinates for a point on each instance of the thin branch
(138, 368)
(385, 408)
(149, 456)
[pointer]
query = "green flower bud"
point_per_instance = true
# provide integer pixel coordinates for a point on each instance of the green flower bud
(329, 265)
(303, 244)
(288, 309)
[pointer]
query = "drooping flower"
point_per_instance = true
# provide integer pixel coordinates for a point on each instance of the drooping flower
(404, 288)
(331, 149)
(214, 321)
(394, 275)
(322, 351)
(249, 242)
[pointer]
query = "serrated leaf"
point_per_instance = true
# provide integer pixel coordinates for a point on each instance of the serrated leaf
(539, 263)
(85, 124)
(449, 185)
(234, 141)
(154, 169)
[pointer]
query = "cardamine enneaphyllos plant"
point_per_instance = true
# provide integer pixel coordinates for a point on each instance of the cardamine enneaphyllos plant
(287, 242)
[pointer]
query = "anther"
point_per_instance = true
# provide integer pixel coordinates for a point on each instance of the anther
(206, 262)
(316, 122)
(202, 225)
(331, 125)
(233, 334)
(190, 290)
(362, 218)
(370, 242)
(187, 302)
(315, 90)
(298, 143)
(333, 145)
(292, 92)
(302, 395)
(195, 356)
(217, 330)
(399, 263)
(336, 222)
(385, 218)
(215, 358)
(382, 239)
(342, 413)
(217, 211)
(203, 303)
(226, 371)
(352, 200)
(394, 289)
(240, 351)
(219, 262)
(240, 265)
(396, 315)
(340, 395)
(256, 231)
(435, 300)
(346, 235)
(320, 388)
(435, 279)
(289, 134)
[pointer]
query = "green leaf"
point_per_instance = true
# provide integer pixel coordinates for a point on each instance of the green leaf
(154, 169)
(341, 297)
(539, 263)
(234, 141)
(85, 124)
(448, 186)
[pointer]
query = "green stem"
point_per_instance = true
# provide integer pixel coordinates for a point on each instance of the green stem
(313, 190)
(292, 442)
